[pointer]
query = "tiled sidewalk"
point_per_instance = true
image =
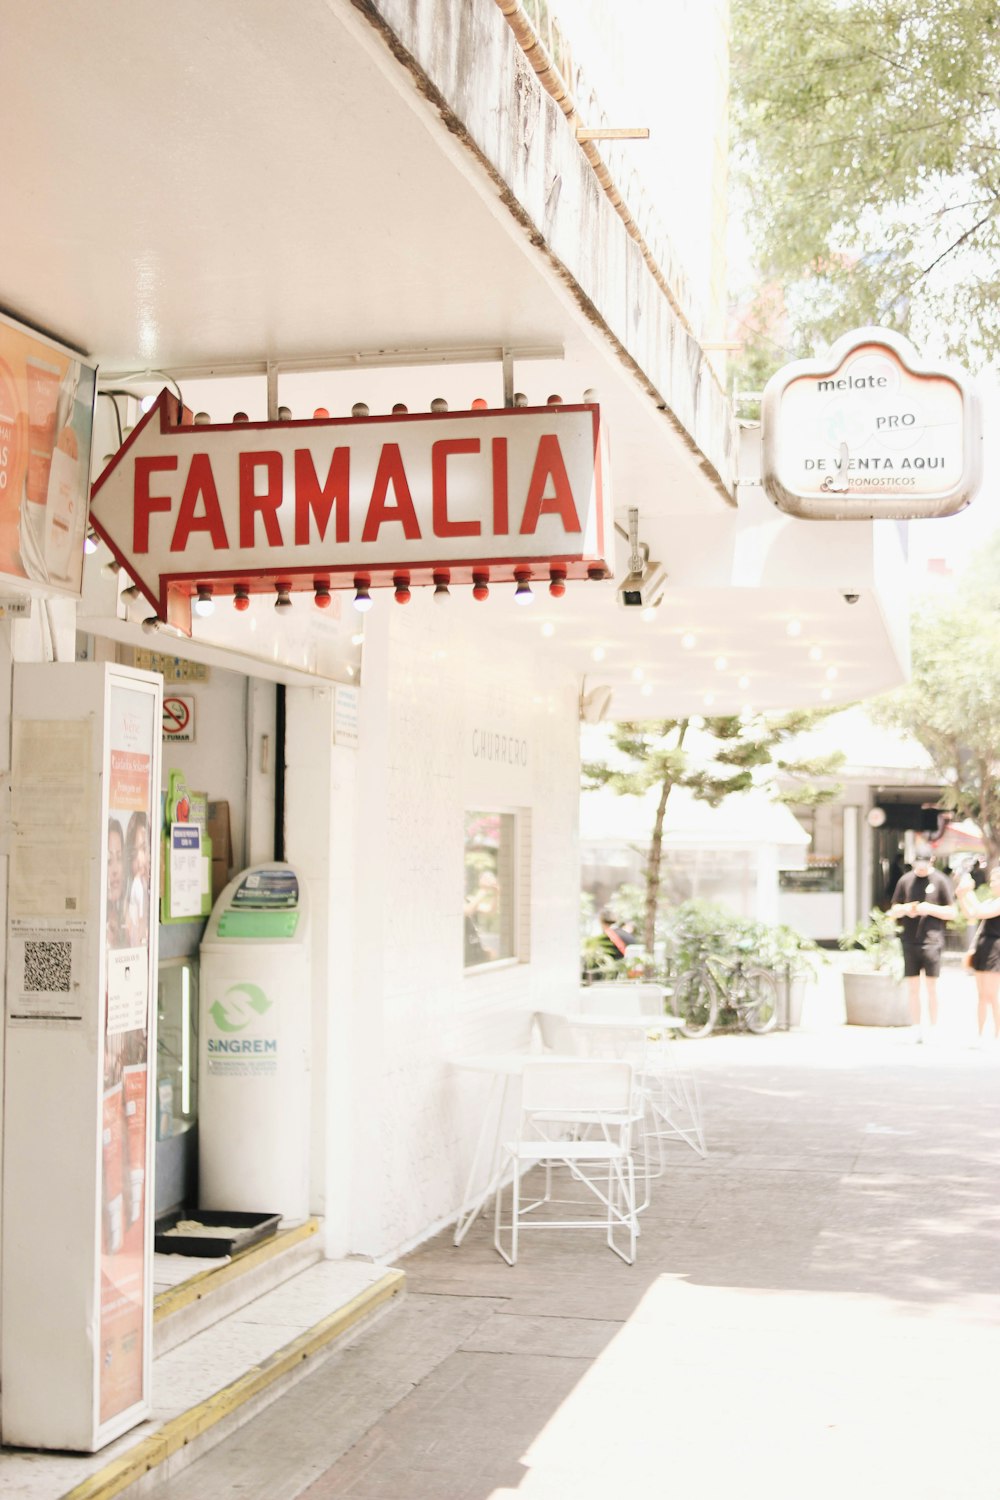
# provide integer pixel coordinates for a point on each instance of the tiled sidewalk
(815, 1311)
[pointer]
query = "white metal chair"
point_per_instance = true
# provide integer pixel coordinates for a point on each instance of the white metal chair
(557, 1034)
(558, 1095)
(669, 1088)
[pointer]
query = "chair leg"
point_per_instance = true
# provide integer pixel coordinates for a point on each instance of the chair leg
(515, 1213)
(498, 1220)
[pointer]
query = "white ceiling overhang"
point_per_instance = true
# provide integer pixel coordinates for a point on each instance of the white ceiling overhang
(211, 188)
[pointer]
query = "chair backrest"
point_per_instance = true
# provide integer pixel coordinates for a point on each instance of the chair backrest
(555, 1032)
(649, 997)
(621, 1000)
(603, 1085)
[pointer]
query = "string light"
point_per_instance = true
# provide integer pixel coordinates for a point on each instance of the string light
(523, 594)
(204, 604)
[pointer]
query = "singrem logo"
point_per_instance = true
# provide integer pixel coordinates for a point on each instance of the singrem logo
(238, 1007)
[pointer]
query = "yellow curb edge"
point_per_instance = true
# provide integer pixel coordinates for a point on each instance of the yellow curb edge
(177, 1297)
(179, 1431)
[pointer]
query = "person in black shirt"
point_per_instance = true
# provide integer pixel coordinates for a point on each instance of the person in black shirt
(922, 902)
(986, 953)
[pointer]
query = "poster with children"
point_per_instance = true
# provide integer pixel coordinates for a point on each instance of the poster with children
(124, 1293)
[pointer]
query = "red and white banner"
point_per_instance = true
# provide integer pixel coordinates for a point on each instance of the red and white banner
(322, 503)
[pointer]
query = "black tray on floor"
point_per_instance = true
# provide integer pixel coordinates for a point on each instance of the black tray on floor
(250, 1230)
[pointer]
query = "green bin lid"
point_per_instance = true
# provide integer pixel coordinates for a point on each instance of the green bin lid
(258, 924)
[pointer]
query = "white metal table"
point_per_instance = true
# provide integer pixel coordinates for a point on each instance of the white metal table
(503, 1068)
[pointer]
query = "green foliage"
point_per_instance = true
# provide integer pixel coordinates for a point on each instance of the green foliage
(715, 760)
(627, 904)
(866, 144)
(597, 963)
(951, 704)
(700, 929)
(877, 939)
(786, 951)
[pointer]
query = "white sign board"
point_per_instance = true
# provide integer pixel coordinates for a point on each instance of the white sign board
(342, 501)
(870, 432)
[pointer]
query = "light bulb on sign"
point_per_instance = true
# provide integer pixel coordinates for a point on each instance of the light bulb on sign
(523, 594)
(204, 604)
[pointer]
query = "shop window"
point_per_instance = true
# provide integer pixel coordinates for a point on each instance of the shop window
(491, 887)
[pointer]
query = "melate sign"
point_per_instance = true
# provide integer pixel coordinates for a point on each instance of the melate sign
(870, 433)
(325, 503)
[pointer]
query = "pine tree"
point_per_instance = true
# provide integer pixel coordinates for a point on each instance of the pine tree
(713, 758)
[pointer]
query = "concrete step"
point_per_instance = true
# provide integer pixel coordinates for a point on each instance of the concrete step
(247, 1351)
(183, 1310)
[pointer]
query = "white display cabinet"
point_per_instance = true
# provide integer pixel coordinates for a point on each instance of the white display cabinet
(80, 1048)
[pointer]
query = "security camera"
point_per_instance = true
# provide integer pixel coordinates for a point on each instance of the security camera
(851, 598)
(644, 587)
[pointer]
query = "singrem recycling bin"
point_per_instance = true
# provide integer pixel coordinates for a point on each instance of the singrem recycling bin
(253, 1048)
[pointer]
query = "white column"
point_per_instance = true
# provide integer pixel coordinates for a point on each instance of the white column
(852, 891)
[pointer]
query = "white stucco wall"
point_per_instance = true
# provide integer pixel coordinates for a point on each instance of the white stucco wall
(430, 679)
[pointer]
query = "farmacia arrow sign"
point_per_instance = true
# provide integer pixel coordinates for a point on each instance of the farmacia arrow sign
(482, 495)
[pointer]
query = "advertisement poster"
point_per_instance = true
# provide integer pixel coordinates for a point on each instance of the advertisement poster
(124, 1292)
(186, 875)
(46, 421)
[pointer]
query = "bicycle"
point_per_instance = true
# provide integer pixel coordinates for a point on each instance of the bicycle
(717, 984)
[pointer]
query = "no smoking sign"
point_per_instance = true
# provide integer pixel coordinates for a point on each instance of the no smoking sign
(178, 718)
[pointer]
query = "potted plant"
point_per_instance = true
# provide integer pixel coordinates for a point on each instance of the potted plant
(795, 960)
(873, 994)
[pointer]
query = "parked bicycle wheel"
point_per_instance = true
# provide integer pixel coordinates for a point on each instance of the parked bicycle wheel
(696, 1001)
(761, 1001)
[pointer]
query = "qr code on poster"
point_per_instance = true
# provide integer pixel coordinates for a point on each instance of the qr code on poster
(48, 967)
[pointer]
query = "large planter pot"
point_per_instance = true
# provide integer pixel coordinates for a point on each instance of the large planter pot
(796, 996)
(875, 1000)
